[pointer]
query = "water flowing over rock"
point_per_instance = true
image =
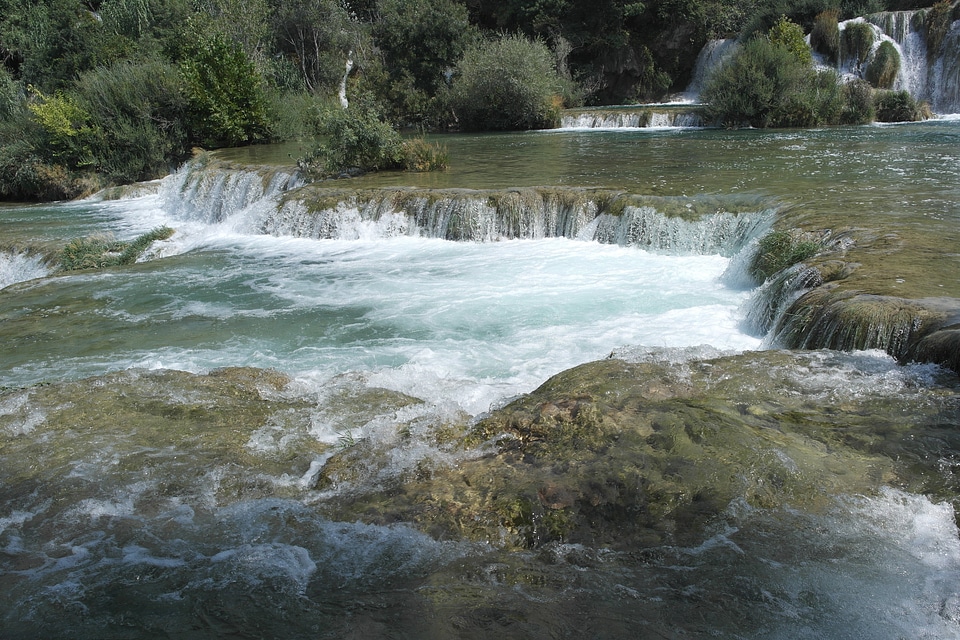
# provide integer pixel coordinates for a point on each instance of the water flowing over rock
(628, 454)
(932, 76)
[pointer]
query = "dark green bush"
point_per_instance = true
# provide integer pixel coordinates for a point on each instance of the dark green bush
(507, 84)
(753, 86)
(858, 105)
(352, 139)
(884, 67)
(858, 39)
(825, 36)
(896, 106)
(226, 94)
(140, 110)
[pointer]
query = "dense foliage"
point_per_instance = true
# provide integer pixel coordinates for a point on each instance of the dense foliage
(507, 84)
(100, 91)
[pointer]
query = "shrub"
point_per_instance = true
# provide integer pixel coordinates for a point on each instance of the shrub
(777, 251)
(825, 36)
(789, 35)
(140, 110)
(936, 25)
(507, 84)
(896, 106)
(858, 103)
(420, 155)
(858, 39)
(883, 69)
(352, 139)
(753, 84)
(227, 103)
(67, 131)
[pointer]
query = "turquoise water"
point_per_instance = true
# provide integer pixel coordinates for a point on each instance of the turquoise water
(113, 528)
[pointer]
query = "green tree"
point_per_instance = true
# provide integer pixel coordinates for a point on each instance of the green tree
(422, 38)
(319, 36)
(227, 103)
(355, 138)
(765, 84)
(141, 111)
(789, 35)
(48, 43)
(507, 84)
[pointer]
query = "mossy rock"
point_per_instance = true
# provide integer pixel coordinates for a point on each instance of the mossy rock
(631, 455)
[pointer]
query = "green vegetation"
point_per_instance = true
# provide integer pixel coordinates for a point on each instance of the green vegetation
(508, 84)
(778, 250)
(896, 106)
(936, 25)
(100, 92)
(356, 140)
(98, 252)
(825, 36)
(858, 40)
(883, 69)
(766, 84)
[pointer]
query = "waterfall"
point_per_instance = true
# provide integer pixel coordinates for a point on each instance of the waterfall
(487, 216)
(20, 266)
(931, 77)
(636, 117)
(713, 54)
(273, 202)
(934, 78)
(208, 191)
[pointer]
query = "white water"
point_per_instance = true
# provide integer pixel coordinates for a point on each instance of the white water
(129, 532)
(463, 322)
(20, 267)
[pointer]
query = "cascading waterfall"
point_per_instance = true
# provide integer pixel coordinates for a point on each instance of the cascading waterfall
(930, 76)
(712, 56)
(208, 193)
(267, 204)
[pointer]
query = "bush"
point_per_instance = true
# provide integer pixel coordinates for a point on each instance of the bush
(67, 132)
(753, 85)
(352, 140)
(858, 103)
(420, 155)
(896, 106)
(883, 69)
(825, 36)
(507, 84)
(140, 110)
(227, 103)
(789, 35)
(858, 39)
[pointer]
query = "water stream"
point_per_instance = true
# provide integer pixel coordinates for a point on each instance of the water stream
(168, 430)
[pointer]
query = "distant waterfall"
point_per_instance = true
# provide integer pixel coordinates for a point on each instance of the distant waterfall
(933, 78)
(713, 54)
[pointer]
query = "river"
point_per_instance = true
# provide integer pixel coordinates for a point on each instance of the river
(163, 426)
